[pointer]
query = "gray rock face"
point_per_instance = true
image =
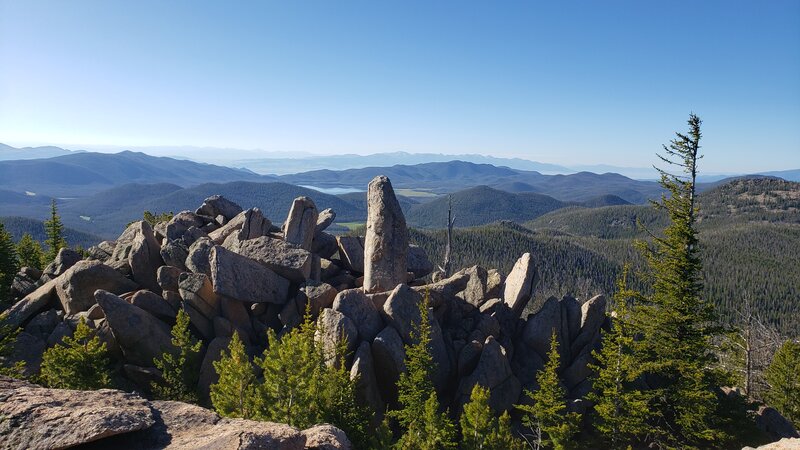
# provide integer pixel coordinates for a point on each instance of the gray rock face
(243, 279)
(542, 325)
(208, 375)
(771, 422)
(418, 262)
(141, 336)
(493, 372)
(59, 418)
(248, 224)
(28, 348)
(217, 205)
(301, 222)
(326, 437)
(197, 259)
(283, 258)
(168, 277)
(324, 220)
(388, 356)
(520, 284)
(145, 256)
(332, 328)
(363, 372)
(482, 285)
(32, 304)
(65, 259)
(318, 295)
(354, 304)
(154, 304)
(386, 240)
(180, 224)
(196, 290)
(571, 316)
(324, 245)
(174, 253)
(593, 314)
(401, 310)
(75, 288)
(351, 252)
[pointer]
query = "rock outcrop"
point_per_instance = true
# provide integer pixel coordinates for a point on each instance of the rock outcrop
(386, 241)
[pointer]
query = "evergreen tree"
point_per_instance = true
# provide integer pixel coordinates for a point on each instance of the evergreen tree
(155, 219)
(675, 321)
(621, 407)
(480, 429)
(8, 337)
(54, 230)
(81, 362)
(180, 372)
(424, 426)
(783, 377)
(29, 252)
(8, 265)
(549, 409)
(234, 394)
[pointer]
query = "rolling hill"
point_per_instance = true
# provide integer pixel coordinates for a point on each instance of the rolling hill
(86, 173)
(17, 226)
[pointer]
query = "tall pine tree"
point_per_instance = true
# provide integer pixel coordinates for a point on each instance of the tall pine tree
(234, 395)
(783, 377)
(29, 252)
(424, 427)
(620, 405)
(180, 371)
(549, 410)
(54, 230)
(676, 323)
(8, 266)
(481, 430)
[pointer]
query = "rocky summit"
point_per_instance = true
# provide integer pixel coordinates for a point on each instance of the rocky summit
(233, 271)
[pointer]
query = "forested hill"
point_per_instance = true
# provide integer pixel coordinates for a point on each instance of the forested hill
(18, 226)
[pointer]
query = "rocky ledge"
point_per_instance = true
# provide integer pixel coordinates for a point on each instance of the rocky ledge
(33, 417)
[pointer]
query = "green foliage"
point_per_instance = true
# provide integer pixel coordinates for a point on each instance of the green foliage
(783, 377)
(8, 337)
(234, 395)
(155, 219)
(302, 387)
(549, 409)
(8, 266)
(481, 430)
(180, 371)
(675, 321)
(424, 426)
(620, 406)
(54, 230)
(81, 362)
(29, 252)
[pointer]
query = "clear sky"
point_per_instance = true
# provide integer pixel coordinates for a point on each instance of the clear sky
(561, 81)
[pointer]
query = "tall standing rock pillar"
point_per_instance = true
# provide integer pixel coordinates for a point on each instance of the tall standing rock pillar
(386, 241)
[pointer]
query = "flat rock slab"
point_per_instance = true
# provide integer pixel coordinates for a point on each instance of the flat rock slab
(40, 418)
(238, 277)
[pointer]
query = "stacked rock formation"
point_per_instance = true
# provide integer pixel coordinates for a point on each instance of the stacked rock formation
(233, 271)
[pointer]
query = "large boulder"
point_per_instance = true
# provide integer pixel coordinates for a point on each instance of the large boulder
(217, 205)
(418, 262)
(363, 373)
(238, 277)
(388, 356)
(401, 310)
(593, 314)
(494, 373)
(541, 326)
(208, 375)
(155, 305)
(168, 277)
(324, 220)
(482, 285)
(285, 259)
(39, 418)
(248, 224)
(32, 304)
(141, 336)
(326, 437)
(198, 292)
(75, 287)
(180, 224)
(301, 223)
(354, 304)
(197, 260)
(520, 284)
(771, 422)
(351, 252)
(386, 240)
(334, 327)
(65, 259)
(317, 294)
(174, 253)
(145, 256)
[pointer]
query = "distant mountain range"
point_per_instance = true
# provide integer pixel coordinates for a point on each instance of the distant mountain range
(8, 152)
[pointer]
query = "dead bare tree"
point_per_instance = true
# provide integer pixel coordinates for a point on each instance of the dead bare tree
(446, 266)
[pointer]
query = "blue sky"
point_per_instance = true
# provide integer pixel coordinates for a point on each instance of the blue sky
(561, 82)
